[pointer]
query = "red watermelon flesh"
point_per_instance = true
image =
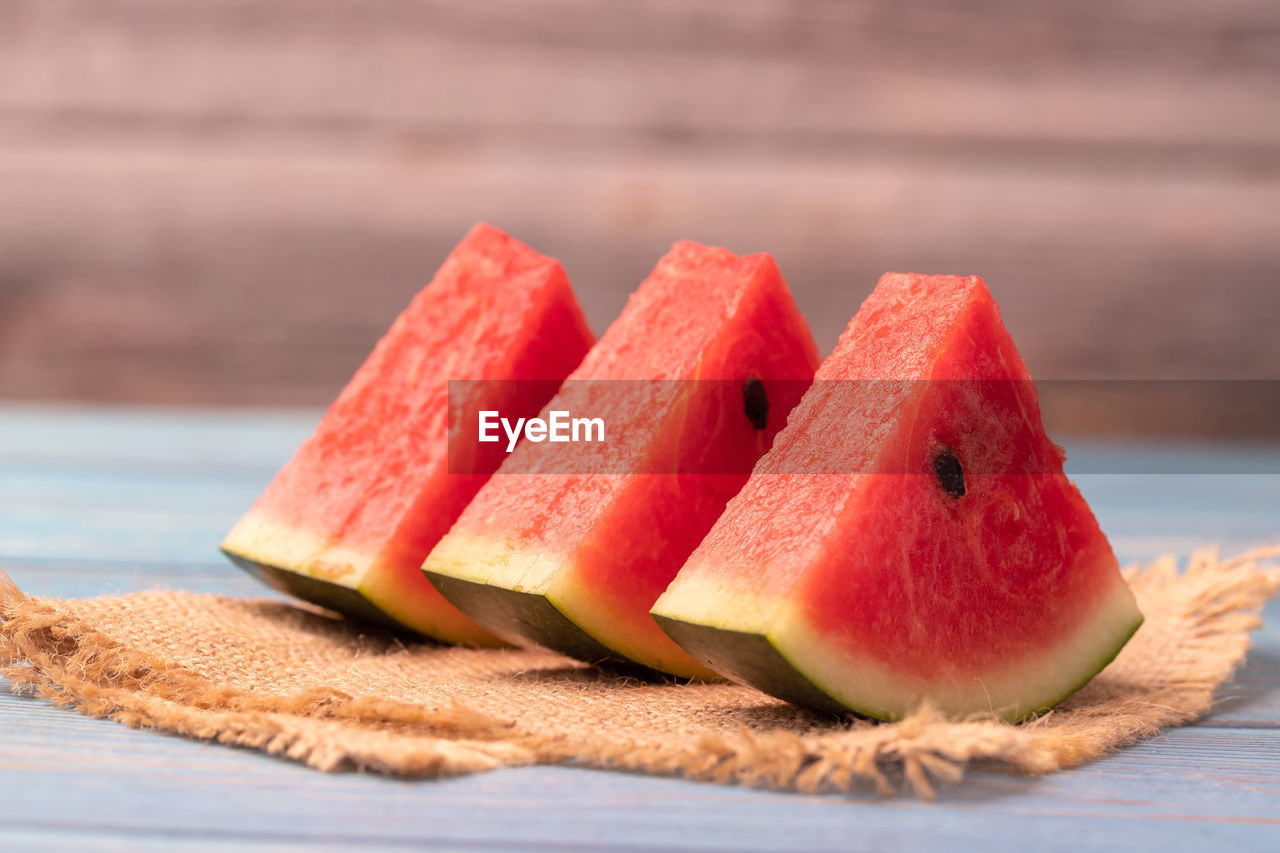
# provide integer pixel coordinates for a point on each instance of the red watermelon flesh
(570, 551)
(347, 522)
(910, 537)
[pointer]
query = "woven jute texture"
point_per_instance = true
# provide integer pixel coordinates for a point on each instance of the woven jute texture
(298, 683)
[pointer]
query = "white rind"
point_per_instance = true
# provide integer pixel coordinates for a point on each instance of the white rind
(480, 559)
(259, 537)
(399, 591)
(717, 603)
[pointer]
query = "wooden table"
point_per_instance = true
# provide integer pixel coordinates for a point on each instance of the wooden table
(99, 500)
(219, 201)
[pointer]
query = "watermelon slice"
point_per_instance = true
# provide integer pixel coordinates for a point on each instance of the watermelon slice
(347, 522)
(910, 537)
(696, 376)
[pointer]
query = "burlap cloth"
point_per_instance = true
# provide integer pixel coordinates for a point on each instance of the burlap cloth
(297, 683)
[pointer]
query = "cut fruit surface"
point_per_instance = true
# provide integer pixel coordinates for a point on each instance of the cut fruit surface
(910, 537)
(348, 520)
(696, 376)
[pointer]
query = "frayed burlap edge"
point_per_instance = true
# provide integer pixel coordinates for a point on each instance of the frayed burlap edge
(1196, 635)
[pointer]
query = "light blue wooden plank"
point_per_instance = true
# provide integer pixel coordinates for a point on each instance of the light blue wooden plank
(1149, 515)
(1252, 697)
(1191, 787)
(117, 533)
(59, 579)
(191, 437)
(110, 839)
(67, 512)
(153, 437)
(91, 514)
(72, 484)
(91, 504)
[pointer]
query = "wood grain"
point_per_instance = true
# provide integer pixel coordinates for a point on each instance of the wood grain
(96, 500)
(1195, 789)
(228, 201)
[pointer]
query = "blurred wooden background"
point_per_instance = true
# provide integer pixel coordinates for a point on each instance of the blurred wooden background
(229, 200)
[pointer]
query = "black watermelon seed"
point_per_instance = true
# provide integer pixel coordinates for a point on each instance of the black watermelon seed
(949, 471)
(755, 402)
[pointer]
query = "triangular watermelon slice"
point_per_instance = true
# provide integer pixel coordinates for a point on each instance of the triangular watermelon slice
(910, 537)
(696, 376)
(347, 522)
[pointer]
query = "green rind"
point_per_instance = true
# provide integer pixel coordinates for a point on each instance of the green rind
(531, 616)
(749, 659)
(754, 660)
(341, 599)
